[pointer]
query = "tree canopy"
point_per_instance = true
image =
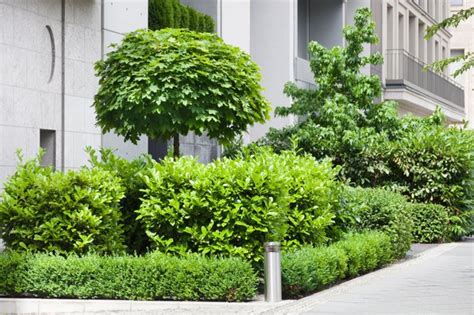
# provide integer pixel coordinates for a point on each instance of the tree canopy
(173, 81)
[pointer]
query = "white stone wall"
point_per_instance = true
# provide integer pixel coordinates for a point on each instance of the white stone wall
(28, 102)
(83, 46)
(120, 17)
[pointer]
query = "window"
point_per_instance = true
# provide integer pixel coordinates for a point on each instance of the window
(401, 31)
(456, 2)
(389, 27)
(421, 41)
(48, 144)
(456, 65)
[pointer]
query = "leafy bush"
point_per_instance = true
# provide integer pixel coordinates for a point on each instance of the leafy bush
(379, 209)
(430, 222)
(232, 207)
(171, 13)
(129, 173)
(434, 164)
(46, 210)
(309, 269)
(151, 277)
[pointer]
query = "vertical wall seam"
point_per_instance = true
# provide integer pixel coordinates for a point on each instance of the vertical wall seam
(63, 83)
(102, 51)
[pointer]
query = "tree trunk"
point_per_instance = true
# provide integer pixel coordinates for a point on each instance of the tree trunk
(176, 146)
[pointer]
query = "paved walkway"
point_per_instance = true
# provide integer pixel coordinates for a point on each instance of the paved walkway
(439, 281)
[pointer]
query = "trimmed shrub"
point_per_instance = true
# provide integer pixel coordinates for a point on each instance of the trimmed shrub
(379, 209)
(46, 210)
(231, 207)
(366, 252)
(171, 13)
(430, 222)
(310, 269)
(9, 261)
(151, 277)
(129, 173)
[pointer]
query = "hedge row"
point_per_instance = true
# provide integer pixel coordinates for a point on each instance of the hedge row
(378, 209)
(171, 13)
(151, 277)
(312, 268)
(157, 276)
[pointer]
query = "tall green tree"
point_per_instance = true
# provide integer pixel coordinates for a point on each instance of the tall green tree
(340, 118)
(467, 59)
(170, 82)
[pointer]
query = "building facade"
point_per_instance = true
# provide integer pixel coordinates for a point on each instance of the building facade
(277, 33)
(463, 42)
(48, 48)
(47, 81)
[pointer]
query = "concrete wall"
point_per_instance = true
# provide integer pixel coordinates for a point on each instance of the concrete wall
(326, 22)
(273, 47)
(30, 98)
(120, 17)
(82, 50)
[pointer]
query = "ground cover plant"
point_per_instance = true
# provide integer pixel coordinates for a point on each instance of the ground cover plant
(154, 276)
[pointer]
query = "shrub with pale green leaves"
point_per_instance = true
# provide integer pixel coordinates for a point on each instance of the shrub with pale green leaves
(129, 172)
(46, 210)
(232, 207)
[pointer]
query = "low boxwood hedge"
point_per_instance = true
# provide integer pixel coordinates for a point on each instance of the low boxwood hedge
(312, 268)
(381, 210)
(151, 277)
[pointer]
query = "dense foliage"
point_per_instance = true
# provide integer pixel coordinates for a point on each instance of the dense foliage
(174, 81)
(430, 223)
(171, 13)
(379, 209)
(151, 277)
(422, 158)
(46, 210)
(231, 207)
(129, 173)
(309, 269)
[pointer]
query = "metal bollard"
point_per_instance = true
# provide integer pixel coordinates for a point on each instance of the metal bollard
(272, 272)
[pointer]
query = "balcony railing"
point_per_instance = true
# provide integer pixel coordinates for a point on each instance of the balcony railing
(403, 67)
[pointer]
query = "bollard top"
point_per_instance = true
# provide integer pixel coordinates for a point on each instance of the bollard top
(272, 246)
